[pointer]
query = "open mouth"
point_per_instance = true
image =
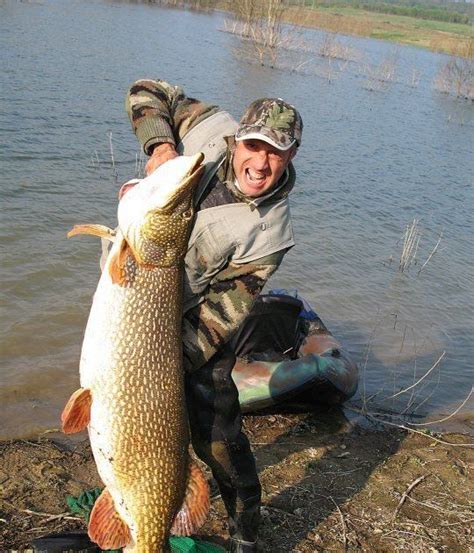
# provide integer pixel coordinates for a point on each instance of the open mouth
(255, 177)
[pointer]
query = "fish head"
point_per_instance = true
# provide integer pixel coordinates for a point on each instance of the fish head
(155, 216)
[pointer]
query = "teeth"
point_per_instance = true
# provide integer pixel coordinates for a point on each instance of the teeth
(255, 176)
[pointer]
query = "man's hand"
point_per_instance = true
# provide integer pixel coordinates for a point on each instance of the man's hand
(161, 153)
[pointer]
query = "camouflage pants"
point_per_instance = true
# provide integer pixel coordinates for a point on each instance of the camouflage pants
(217, 438)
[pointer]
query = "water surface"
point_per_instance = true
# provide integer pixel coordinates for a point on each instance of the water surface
(371, 162)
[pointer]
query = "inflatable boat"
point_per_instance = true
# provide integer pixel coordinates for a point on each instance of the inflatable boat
(288, 359)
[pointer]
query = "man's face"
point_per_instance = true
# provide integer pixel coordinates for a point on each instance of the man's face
(258, 165)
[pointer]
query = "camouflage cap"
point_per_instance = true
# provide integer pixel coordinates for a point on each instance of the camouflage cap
(271, 120)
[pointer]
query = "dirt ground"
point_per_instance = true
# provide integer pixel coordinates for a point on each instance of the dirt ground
(329, 485)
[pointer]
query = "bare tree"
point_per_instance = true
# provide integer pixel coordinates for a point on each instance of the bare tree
(456, 76)
(379, 76)
(260, 23)
(266, 31)
(245, 11)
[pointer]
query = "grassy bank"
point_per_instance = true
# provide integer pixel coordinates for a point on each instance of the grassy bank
(439, 36)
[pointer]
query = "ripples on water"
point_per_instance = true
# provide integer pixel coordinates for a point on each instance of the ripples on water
(370, 163)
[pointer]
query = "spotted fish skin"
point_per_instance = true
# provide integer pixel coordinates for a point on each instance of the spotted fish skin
(138, 428)
(131, 363)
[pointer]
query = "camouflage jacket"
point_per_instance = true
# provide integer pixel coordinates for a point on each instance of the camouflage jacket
(159, 113)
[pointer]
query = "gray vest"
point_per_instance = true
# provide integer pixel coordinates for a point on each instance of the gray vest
(232, 232)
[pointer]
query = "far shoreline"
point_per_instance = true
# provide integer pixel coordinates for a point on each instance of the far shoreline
(436, 36)
(454, 39)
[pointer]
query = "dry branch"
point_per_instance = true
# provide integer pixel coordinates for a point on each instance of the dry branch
(449, 416)
(50, 516)
(112, 158)
(381, 420)
(407, 493)
(429, 371)
(343, 523)
(432, 253)
(410, 246)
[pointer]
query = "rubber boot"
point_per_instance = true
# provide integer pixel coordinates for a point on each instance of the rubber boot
(64, 543)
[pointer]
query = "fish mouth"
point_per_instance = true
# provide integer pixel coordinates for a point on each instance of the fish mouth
(189, 181)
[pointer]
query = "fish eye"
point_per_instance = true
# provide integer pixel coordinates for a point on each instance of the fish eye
(187, 214)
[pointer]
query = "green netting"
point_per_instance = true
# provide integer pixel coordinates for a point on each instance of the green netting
(83, 504)
(192, 545)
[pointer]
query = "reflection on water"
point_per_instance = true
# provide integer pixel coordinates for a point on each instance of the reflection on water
(371, 162)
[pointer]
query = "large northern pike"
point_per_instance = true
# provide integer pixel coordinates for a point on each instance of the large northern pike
(132, 383)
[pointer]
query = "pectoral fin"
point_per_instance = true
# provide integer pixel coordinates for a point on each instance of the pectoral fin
(106, 527)
(193, 512)
(95, 230)
(77, 413)
(117, 265)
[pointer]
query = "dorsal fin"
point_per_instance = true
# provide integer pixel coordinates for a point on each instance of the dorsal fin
(94, 230)
(195, 508)
(117, 269)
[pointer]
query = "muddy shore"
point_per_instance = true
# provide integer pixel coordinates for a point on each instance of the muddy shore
(329, 485)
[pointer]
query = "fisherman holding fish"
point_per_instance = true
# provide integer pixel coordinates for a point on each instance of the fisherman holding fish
(241, 232)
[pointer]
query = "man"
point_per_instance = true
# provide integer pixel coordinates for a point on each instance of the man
(241, 233)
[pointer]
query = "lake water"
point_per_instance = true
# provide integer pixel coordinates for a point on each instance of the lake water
(372, 161)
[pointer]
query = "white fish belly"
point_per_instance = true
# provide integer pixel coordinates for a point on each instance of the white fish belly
(131, 362)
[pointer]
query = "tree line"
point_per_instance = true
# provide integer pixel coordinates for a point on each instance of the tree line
(451, 13)
(432, 10)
